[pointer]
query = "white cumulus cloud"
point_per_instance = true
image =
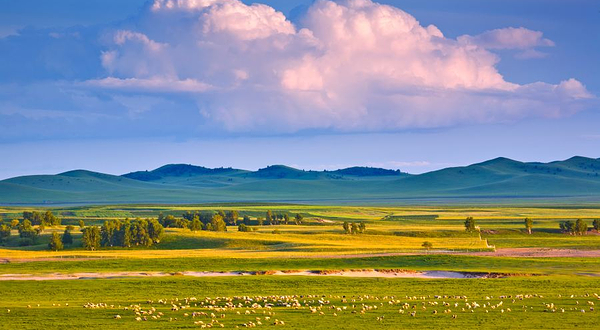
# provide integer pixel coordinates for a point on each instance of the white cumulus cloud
(350, 65)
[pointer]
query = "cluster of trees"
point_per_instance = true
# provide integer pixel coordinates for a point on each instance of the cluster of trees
(46, 219)
(58, 242)
(278, 219)
(219, 221)
(198, 221)
(123, 233)
(353, 228)
(578, 227)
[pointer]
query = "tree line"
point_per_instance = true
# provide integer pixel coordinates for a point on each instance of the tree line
(219, 221)
(578, 227)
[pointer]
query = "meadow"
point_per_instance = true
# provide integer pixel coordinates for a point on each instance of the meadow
(536, 291)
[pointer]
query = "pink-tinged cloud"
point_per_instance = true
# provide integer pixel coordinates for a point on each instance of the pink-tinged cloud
(351, 65)
(509, 38)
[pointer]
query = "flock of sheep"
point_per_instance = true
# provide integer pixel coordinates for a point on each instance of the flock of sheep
(260, 310)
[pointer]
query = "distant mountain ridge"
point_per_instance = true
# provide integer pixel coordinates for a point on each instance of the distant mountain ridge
(496, 179)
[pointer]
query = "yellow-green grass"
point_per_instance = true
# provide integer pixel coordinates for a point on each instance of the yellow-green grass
(59, 304)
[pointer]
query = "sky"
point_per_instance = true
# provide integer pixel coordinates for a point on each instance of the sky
(117, 86)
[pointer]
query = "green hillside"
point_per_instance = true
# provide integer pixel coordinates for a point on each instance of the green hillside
(493, 180)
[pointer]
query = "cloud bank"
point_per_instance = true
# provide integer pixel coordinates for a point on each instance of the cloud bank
(348, 66)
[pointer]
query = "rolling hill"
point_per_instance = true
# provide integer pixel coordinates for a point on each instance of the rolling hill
(496, 180)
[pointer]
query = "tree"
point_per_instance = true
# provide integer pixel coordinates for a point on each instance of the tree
(217, 223)
(528, 225)
(596, 225)
(26, 230)
(231, 217)
(354, 228)
(155, 230)
(568, 227)
(362, 227)
(581, 227)
(298, 218)
(346, 227)
(91, 238)
(196, 224)
(269, 218)
(4, 233)
(67, 238)
(286, 218)
(261, 221)
(243, 228)
(50, 219)
(470, 225)
(126, 235)
(141, 233)
(81, 224)
(427, 245)
(56, 243)
(14, 224)
(108, 232)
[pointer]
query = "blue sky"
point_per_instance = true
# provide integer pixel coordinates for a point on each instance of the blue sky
(117, 86)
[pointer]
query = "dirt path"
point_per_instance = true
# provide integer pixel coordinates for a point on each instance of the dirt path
(369, 273)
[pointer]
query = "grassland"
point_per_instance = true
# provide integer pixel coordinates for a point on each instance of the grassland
(393, 241)
(569, 294)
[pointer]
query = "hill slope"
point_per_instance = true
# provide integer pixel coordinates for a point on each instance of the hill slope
(493, 180)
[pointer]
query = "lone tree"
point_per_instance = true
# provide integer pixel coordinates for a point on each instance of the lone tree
(81, 224)
(67, 238)
(528, 225)
(470, 225)
(56, 243)
(596, 225)
(581, 227)
(427, 245)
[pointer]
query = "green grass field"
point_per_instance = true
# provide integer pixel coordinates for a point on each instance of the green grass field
(378, 298)
(394, 234)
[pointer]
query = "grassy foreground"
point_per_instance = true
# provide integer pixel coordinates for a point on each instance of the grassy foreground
(366, 300)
